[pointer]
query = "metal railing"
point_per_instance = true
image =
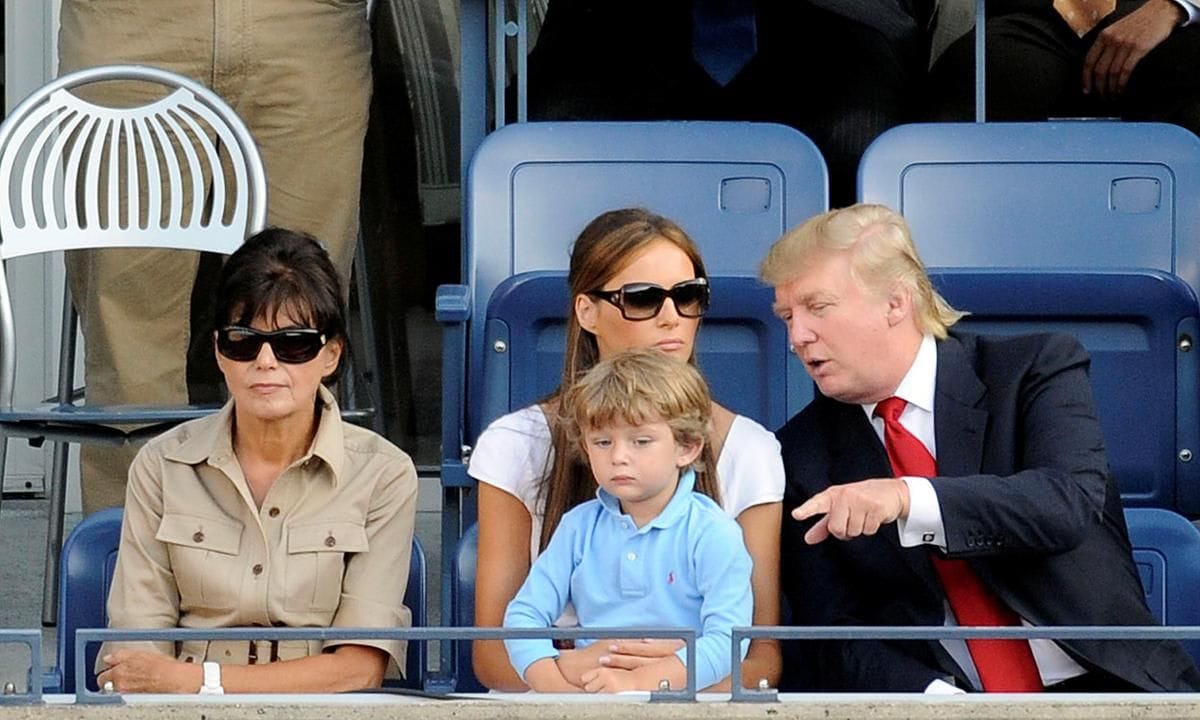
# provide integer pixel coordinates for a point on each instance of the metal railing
(33, 640)
(740, 635)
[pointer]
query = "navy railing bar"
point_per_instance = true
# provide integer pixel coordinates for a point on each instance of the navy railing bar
(942, 632)
(33, 640)
(83, 636)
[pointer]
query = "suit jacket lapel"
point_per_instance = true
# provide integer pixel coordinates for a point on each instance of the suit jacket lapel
(860, 455)
(958, 424)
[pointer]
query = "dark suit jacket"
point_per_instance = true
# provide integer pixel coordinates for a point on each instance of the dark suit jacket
(1026, 498)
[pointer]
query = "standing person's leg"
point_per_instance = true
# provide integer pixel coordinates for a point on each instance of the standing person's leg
(133, 304)
(1033, 70)
(305, 92)
(839, 81)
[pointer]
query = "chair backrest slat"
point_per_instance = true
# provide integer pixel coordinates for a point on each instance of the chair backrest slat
(105, 176)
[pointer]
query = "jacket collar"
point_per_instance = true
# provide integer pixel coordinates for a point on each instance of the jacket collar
(211, 439)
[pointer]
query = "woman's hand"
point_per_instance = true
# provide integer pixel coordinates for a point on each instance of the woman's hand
(138, 671)
(609, 680)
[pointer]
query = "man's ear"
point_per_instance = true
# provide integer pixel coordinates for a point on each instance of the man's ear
(585, 312)
(900, 304)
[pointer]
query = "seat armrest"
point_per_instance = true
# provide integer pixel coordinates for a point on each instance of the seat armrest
(453, 310)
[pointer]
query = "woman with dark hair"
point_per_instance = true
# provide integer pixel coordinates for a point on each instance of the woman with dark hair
(272, 512)
(636, 281)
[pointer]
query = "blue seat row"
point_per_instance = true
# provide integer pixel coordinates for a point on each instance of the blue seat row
(1090, 228)
(1087, 228)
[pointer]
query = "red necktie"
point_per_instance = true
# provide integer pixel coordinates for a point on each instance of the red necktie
(1003, 665)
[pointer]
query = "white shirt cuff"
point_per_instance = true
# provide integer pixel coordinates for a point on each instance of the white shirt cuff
(1190, 10)
(941, 687)
(924, 525)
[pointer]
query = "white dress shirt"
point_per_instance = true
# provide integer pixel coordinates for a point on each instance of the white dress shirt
(924, 525)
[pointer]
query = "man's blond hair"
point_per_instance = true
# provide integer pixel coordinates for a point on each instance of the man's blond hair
(882, 255)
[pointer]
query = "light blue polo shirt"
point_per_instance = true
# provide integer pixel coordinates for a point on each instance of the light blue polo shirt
(688, 567)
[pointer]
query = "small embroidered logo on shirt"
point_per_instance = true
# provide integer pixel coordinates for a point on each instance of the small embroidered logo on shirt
(671, 578)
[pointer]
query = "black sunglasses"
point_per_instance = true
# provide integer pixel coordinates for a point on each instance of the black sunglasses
(643, 301)
(290, 345)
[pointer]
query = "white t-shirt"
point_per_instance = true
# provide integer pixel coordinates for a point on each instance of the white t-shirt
(514, 453)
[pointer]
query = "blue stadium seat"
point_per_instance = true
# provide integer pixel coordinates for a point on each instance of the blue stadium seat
(532, 187)
(742, 347)
(89, 558)
(465, 557)
(1166, 551)
(1050, 195)
(1139, 327)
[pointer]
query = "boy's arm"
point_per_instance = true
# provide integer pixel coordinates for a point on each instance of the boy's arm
(544, 676)
(540, 601)
(723, 577)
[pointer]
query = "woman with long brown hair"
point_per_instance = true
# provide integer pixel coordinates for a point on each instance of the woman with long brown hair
(636, 280)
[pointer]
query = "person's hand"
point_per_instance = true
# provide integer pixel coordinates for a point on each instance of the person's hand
(1119, 47)
(633, 654)
(137, 671)
(574, 663)
(609, 680)
(854, 509)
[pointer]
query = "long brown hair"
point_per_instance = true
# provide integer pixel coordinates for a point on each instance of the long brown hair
(605, 247)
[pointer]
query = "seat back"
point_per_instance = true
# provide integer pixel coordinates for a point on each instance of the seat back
(179, 172)
(84, 175)
(1166, 551)
(741, 347)
(1050, 195)
(735, 187)
(89, 559)
(414, 600)
(463, 578)
(1138, 327)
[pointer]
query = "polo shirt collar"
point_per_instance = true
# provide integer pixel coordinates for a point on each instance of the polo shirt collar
(675, 510)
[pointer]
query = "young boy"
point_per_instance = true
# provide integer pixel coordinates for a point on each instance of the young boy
(648, 551)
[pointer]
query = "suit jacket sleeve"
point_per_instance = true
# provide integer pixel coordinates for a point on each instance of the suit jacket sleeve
(1043, 441)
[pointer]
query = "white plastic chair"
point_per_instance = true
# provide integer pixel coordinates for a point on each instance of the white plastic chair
(80, 175)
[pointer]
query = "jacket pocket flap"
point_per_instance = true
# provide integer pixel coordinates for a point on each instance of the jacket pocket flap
(223, 536)
(327, 536)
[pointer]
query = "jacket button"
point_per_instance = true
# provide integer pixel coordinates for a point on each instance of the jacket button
(257, 569)
(198, 537)
(273, 512)
(330, 541)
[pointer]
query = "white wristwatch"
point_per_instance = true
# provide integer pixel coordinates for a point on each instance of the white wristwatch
(212, 680)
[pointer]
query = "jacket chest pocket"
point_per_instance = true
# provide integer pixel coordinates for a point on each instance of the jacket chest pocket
(316, 562)
(204, 559)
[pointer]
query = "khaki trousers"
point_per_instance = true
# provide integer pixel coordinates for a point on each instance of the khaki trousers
(298, 72)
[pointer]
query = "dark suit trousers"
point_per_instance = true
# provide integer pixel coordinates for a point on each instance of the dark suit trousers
(839, 81)
(1035, 68)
